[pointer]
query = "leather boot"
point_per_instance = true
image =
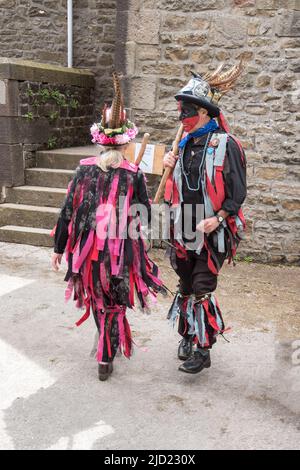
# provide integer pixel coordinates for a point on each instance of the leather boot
(185, 348)
(105, 370)
(199, 360)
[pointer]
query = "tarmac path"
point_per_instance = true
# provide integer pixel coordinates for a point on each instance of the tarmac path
(50, 396)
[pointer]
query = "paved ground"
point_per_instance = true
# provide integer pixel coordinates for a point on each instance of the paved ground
(50, 397)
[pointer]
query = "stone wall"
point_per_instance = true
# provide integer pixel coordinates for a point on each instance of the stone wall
(94, 43)
(67, 111)
(42, 106)
(34, 30)
(165, 39)
(154, 44)
(37, 30)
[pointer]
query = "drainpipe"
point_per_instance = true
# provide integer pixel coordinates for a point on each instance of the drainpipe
(70, 33)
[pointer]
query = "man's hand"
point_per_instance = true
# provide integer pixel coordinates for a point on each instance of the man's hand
(208, 225)
(55, 261)
(170, 160)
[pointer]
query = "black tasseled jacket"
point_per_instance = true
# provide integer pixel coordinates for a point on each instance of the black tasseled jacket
(234, 175)
(140, 196)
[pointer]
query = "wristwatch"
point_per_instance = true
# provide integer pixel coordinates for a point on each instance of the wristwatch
(220, 218)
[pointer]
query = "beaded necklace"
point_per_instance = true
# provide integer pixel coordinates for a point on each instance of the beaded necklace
(200, 167)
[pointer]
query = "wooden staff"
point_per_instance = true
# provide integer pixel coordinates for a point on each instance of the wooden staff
(139, 158)
(168, 170)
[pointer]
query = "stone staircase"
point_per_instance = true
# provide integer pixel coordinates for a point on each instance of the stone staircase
(30, 212)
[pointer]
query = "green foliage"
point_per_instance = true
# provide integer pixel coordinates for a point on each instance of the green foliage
(29, 91)
(58, 97)
(129, 124)
(73, 103)
(53, 116)
(53, 97)
(44, 95)
(246, 259)
(28, 116)
(52, 141)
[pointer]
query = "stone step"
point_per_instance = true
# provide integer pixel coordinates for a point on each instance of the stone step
(28, 215)
(64, 159)
(36, 196)
(26, 235)
(51, 178)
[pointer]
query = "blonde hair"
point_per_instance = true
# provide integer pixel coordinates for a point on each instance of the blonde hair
(111, 157)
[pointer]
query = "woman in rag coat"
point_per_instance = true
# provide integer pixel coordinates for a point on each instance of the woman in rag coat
(99, 231)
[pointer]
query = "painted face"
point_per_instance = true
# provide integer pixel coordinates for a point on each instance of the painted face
(188, 115)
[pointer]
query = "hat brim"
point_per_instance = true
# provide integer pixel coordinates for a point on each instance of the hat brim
(112, 145)
(214, 111)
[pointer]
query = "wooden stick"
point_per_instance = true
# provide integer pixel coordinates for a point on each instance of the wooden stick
(139, 158)
(168, 170)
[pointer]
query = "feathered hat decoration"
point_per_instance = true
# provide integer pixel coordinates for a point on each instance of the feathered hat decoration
(207, 90)
(114, 128)
(221, 83)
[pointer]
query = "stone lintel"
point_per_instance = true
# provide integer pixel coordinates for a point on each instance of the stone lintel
(26, 70)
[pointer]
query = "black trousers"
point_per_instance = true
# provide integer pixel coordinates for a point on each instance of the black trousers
(195, 278)
(194, 274)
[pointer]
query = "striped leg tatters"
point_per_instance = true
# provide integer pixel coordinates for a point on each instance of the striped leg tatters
(202, 317)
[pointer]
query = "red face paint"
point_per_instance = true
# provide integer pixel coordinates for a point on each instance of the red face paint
(190, 122)
(188, 115)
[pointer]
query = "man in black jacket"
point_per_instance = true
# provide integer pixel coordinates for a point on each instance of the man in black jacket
(210, 174)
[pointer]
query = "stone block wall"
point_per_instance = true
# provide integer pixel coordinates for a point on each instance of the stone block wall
(37, 30)
(42, 106)
(154, 44)
(165, 39)
(66, 110)
(94, 43)
(34, 30)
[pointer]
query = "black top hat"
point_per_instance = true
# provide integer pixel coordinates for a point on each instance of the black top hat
(206, 91)
(199, 92)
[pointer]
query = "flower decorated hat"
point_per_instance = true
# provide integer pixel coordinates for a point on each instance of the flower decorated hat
(114, 129)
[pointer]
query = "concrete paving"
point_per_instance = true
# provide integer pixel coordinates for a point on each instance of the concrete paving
(50, 397)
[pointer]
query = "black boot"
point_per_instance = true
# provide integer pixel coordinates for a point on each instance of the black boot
(105, 370)
(185, 348)
(199, 360)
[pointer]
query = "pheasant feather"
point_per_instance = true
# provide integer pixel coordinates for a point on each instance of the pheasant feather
(228, 78)
(116, 104)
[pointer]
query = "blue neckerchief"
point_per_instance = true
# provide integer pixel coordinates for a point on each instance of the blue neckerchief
(211, 126)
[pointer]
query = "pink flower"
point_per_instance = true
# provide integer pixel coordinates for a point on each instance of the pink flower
(104, 140)
(122, 139)
(94, 128)
(119, 139)
(101, 139)
(132, 132)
